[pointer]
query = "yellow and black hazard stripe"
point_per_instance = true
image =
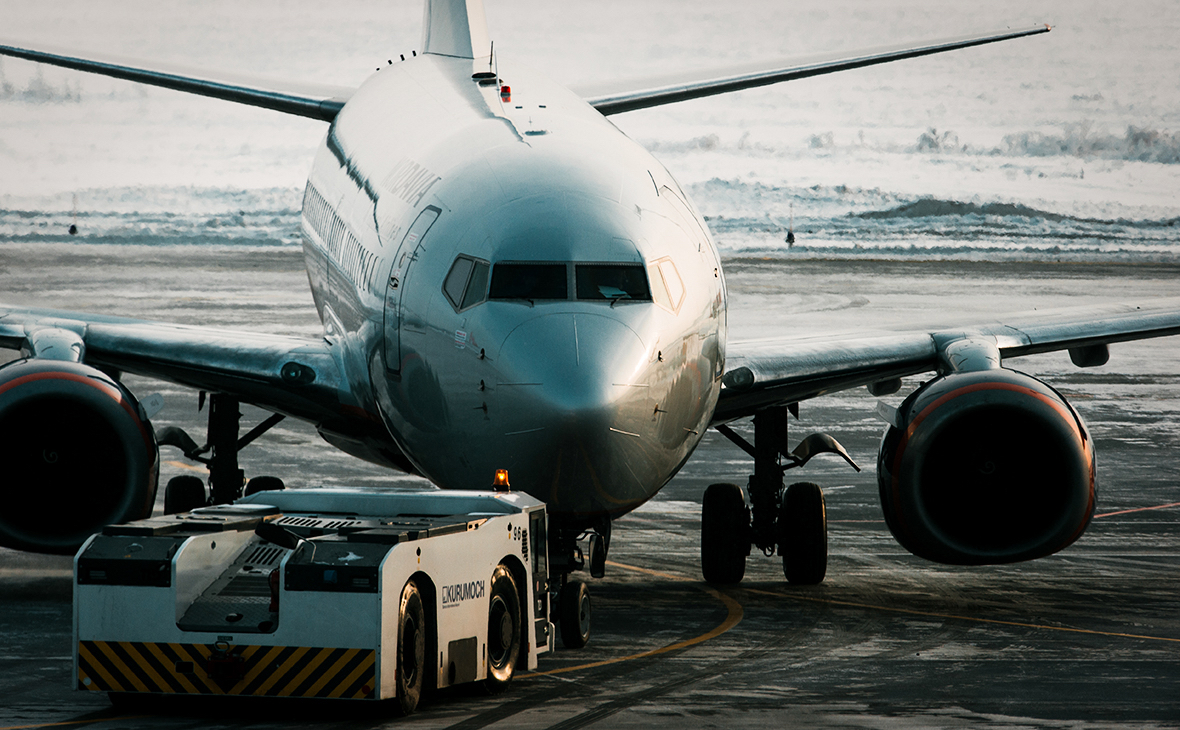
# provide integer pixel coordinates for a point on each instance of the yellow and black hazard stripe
(271, 671)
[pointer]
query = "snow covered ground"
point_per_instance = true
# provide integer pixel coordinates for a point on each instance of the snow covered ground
(1064, 145)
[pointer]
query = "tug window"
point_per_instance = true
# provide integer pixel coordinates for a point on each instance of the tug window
(529, 281)
(466, 283)
(616, 282)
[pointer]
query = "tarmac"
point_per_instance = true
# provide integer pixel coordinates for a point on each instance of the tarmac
(1089, 637)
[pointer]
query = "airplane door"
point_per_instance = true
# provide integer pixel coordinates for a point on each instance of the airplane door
(395, 286)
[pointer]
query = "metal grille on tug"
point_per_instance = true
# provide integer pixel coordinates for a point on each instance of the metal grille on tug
(319, 523)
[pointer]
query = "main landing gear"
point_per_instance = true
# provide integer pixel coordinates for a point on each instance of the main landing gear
(226, 479)
(570, 597)
(792, 520)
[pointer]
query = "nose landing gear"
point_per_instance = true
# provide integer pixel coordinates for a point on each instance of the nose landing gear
(571, 596)
(791, 520)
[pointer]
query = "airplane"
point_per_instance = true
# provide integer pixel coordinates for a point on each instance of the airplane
(514, 293)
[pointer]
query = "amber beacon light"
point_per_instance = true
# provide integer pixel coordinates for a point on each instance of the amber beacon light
(500, 481)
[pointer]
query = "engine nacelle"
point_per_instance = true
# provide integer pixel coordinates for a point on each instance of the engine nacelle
(986, 467)
(75, 454)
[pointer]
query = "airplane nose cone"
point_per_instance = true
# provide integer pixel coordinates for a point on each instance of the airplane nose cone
(577, 408)
(577, 364)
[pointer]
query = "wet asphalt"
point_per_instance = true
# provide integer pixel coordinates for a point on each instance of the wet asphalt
(1089, 637)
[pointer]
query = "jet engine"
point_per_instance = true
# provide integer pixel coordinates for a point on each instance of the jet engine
(76, 454)
(986, 467)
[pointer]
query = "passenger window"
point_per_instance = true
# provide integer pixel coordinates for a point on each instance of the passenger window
(667, 287)
(615, 282)
(529, 281)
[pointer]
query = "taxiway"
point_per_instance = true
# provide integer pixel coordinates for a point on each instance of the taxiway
(1086, 638)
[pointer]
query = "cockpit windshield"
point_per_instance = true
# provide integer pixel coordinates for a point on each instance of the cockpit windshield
(529, 281)
(616, 282)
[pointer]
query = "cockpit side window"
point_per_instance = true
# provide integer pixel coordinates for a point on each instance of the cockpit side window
(529, 281)
(466, 283)
(477, 285)
(667, 288)
(616, 282)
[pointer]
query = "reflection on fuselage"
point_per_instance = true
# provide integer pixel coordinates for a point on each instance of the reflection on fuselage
(543, 298)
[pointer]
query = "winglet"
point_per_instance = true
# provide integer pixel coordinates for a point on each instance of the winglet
(456, 28)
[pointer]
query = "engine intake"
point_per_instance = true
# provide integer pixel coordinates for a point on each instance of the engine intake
(986, 467)
(75, 454)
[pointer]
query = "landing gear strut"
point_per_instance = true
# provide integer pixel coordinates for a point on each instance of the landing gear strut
(226, 478)
(792, 519)
(571, 596)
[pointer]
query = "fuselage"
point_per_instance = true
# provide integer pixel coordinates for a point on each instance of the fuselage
(516, 285)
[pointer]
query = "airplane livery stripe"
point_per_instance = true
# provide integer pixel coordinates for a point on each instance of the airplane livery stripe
(342, 246)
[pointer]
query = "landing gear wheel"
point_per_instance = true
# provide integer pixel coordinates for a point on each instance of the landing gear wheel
(725, 534)
(264, 484)
(503, 630)
(184, 494)
(803, 534)
(411, 649)
(574, 614)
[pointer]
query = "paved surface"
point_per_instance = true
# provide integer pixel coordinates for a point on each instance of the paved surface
(1087, 638)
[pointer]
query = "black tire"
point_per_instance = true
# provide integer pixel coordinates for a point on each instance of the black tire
(803, 534)
(504, 638)
(597, 561)
(184, 494)
(574, 613)
(725, 534)
(411, 649)
(264, 484)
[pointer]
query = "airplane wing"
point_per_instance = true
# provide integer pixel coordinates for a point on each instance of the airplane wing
(320, 101)
(781, 371)
(289, 375)
(625, 96)
(317, 101)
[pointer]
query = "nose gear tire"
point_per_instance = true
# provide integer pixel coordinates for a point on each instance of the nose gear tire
(574, 614)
